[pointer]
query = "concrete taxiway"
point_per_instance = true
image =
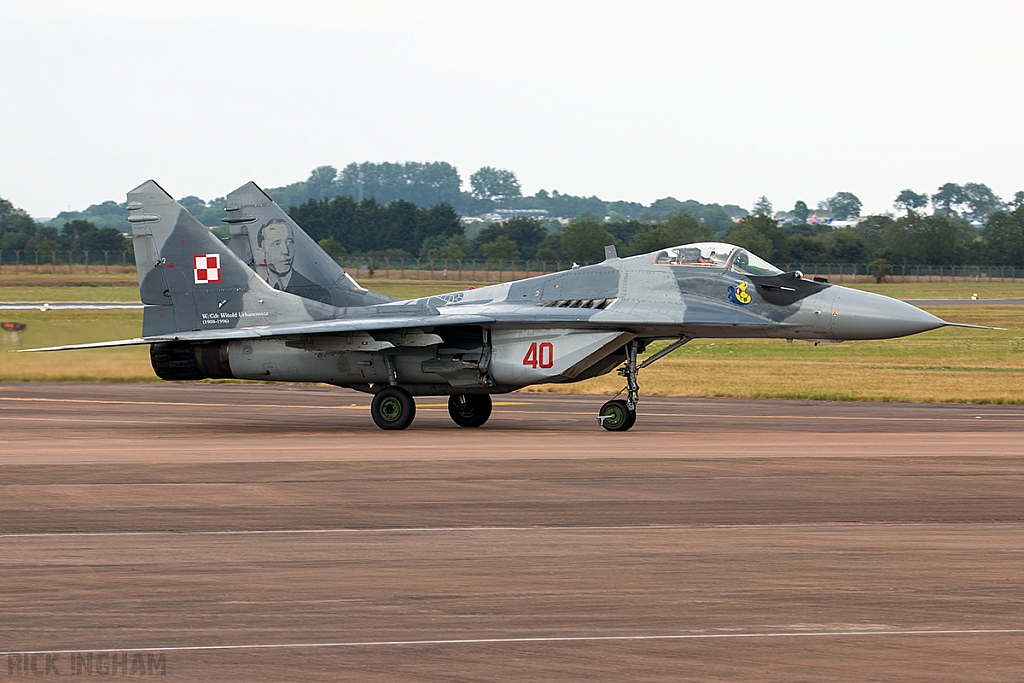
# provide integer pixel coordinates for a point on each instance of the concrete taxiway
(259, 532)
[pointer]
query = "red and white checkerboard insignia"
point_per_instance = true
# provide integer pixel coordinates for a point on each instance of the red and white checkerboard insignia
(207, 268)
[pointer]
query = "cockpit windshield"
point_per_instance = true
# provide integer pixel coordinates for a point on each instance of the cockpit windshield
(715, 255)
(751, 264)
(710, 254)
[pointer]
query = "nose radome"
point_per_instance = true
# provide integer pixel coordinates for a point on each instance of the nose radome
(863, 315)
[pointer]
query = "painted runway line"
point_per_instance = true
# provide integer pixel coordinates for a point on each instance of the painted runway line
(293, 406)
(532, 528)
(70, 306)
(534, 639)
(1003, 417)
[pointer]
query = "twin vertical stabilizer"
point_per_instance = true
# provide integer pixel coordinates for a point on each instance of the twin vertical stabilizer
(191, 281)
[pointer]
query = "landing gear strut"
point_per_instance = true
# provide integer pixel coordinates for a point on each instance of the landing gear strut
(393, 408)
(629, 372)
(618, 415)
(469, 410)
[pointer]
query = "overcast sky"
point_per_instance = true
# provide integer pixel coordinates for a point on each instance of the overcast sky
(716, 101)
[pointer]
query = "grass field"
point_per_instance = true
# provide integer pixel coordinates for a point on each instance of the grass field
(946, 290)
(953, 364)
(49, 288)
(52, 328)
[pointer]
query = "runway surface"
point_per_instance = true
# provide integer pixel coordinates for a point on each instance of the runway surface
(69, 306)
(260, 532)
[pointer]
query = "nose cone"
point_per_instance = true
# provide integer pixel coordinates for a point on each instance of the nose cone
(863, 315)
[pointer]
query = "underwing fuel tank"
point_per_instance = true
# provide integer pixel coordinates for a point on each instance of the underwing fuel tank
(864, 315)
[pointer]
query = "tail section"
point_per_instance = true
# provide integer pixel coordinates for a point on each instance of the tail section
(272, 244)
(191, 281)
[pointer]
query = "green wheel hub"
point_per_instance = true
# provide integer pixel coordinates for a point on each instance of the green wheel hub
(615, 416)
(393, 408)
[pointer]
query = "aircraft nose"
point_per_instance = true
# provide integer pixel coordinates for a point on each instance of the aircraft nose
(863, 315)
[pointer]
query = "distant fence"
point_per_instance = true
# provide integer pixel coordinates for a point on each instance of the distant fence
(494, 271)
(866, 272)
(464, 270)
(31, 261)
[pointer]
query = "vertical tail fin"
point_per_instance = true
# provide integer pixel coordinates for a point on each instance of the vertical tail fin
(281, 252)
(190, 280)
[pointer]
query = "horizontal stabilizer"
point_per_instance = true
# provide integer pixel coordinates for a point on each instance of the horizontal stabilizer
(287, 330)
(94, 345)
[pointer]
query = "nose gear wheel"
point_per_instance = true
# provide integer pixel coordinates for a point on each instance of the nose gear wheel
(615, 416)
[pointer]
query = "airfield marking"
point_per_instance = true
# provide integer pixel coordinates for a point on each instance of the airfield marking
(74, 419)
(539, 639)
(531, 528)
(771, 417)
(223, 405)
(496, 403)
(79, 420)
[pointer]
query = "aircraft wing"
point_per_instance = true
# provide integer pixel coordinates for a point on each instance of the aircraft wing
(340, 326)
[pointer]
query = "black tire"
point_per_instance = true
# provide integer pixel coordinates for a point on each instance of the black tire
(393, 408)
(618, 416)
(469, 410)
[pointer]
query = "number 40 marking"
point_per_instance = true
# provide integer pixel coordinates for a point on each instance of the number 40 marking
(540, 355)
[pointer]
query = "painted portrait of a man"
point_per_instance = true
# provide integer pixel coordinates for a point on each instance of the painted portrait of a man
(276, 245)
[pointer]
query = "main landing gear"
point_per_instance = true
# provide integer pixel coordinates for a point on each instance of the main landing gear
(469, 410)
(394, 408)
(617, 415)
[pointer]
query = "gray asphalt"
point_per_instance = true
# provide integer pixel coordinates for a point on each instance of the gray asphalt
(68, 305)
(259, 532)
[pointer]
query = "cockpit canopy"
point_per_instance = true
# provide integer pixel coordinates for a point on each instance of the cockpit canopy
(715, 255)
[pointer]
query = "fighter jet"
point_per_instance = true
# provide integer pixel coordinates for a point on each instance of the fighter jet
(270, 306)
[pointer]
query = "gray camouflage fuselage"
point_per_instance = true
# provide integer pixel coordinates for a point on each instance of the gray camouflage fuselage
(561, 327)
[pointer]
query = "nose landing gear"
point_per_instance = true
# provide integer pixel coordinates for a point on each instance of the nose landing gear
(615, 416)
(618, 415)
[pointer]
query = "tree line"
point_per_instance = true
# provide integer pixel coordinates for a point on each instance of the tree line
(429, 184)
(19, 232)
(400, 229)
(974, 201)
(397, 228)
(912, 239)
(491, 189)
(969, 224)
(409, 211)
(403, 230)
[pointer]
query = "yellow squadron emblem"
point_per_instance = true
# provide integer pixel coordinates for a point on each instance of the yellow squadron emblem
(738, 293)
